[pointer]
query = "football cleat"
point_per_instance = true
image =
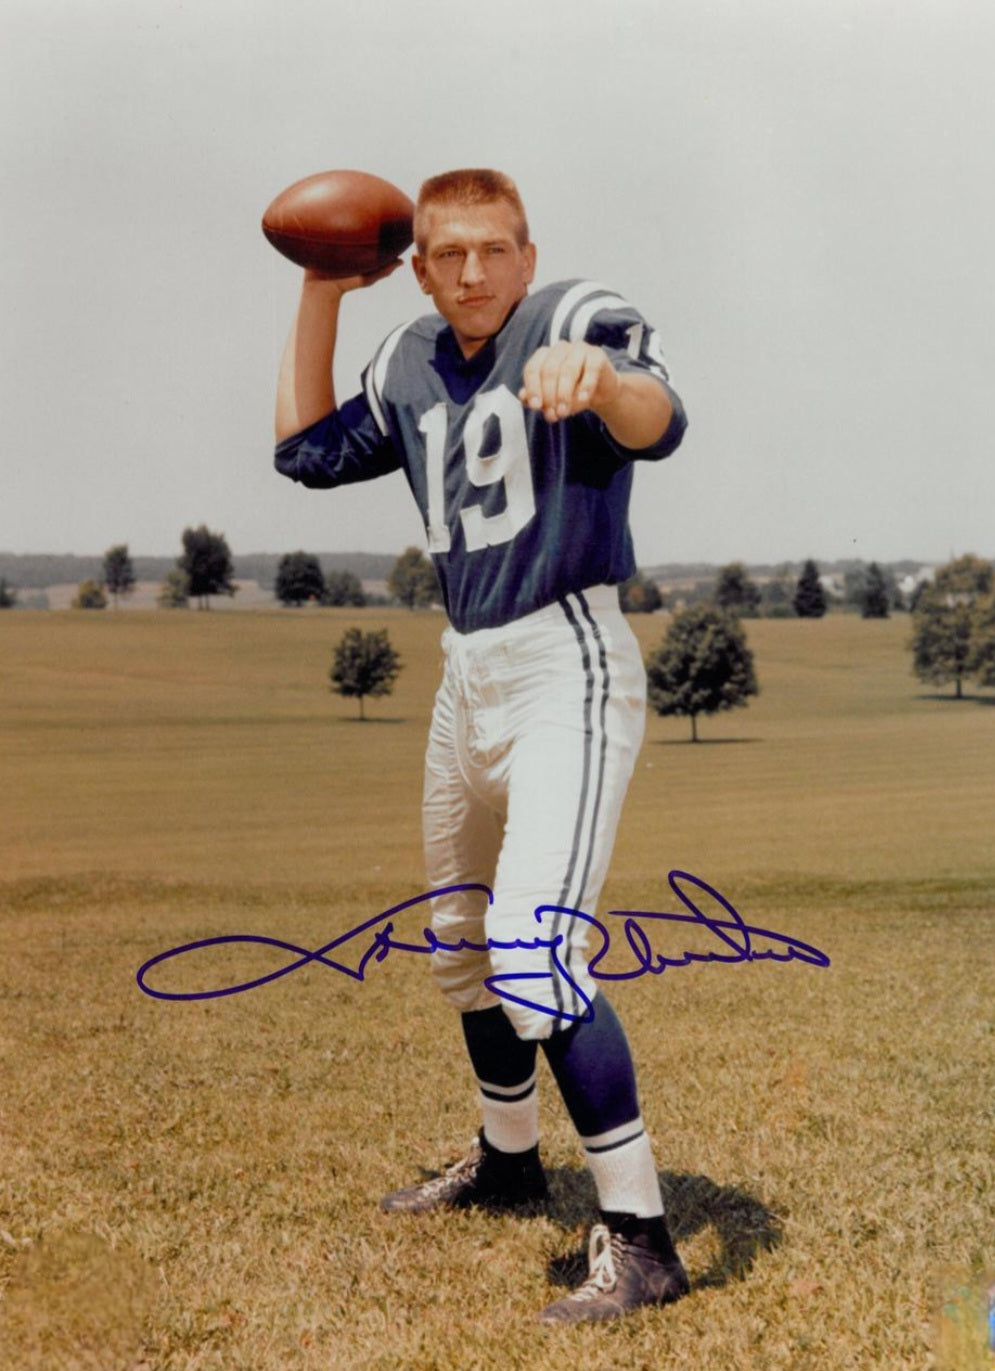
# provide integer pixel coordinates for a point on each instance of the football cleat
(632, 1263)
(485, 1178)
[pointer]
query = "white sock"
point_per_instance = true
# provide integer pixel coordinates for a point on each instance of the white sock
(624, 1172)
(511, 1115)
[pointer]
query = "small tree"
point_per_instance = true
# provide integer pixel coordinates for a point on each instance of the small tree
(119, 574)
(702, 666)
(875, 601)
(8, 596)
(945, 640)
(413, 581)
(941, 639)
(90, 595)
(736, 592)
(174, 592)
(299, 578)
(639, 595)
(777, 594)
(982, 657)
(344, 588)
(810, 598)
(207, 562)
(365, 664)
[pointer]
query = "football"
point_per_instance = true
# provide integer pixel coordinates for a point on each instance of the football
(345, 223)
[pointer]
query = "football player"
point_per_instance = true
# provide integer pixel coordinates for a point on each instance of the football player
(517, 417)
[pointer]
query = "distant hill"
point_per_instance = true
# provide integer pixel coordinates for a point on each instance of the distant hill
(39, 571)
(50, 580)
(686, 572)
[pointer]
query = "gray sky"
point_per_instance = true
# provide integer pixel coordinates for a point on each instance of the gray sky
(797, 193)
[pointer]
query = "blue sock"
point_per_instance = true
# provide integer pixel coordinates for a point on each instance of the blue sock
(592, 1065)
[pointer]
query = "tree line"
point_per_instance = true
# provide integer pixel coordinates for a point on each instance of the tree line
(871, 590)
(767, 591)
(206, 568)
(203, 569)
(953, 615)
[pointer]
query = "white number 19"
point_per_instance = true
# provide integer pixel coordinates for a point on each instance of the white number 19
(508, 463)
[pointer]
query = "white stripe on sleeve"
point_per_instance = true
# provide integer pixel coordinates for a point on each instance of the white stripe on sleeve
(377, 373)
(570, 300)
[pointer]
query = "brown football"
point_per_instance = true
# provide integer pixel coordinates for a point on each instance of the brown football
(345, 223)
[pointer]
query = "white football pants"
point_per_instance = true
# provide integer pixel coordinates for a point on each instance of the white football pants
(534, 736)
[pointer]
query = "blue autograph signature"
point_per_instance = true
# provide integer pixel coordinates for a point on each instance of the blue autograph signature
(736, 943)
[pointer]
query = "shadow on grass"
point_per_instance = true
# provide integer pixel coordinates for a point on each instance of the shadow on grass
(702, 742)
(950, 699)
(743, 1226)
(370, 719)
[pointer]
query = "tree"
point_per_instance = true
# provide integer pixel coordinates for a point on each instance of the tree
(777, 594)
(413, 581)
(941, 639)
(8, 596)
(344, 588)
(948, 623)
(119, 574)
(810, 598)
(860, 580)
(639, 595)
(299, 578)
(207, 561)
(90, 595)
(174, 591)
(918, 592)
(982, 659)
(364, 664)
(966, 577)
(875, 601)
(702, 666)
(736, 592)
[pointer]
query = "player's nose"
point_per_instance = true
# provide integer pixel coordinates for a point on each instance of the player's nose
(473, 269)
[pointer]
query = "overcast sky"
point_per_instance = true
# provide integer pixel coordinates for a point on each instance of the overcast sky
(798, 194)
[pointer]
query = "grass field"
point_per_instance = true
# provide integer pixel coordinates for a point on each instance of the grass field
(194, 1185)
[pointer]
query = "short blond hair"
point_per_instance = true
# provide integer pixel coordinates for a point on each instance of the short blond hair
(469, 186)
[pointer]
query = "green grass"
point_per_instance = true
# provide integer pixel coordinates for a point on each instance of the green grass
(193, 1186)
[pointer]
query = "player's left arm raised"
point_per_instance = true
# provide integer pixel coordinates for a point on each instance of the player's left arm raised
(571, 377)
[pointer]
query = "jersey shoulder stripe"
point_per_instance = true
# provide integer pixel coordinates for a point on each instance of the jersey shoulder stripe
(376, 374)
(589, 309)
(581, 320)
(580, 290)
(562, 325)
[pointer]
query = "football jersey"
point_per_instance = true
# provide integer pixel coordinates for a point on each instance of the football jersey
(518, 512)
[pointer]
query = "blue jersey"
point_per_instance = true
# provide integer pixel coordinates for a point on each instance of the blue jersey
(518, 512)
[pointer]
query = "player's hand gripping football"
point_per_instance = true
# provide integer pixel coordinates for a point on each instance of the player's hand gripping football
(567, 378)
(313, 275)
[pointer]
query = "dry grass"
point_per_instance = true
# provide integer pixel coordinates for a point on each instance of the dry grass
(193, 1186)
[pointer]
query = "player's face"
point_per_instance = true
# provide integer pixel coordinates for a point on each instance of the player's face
(474, 268)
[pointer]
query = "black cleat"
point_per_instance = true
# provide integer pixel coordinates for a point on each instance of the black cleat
(632, 1264)
(485, 1179)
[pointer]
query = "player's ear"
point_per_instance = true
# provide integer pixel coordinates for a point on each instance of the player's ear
(418, 265)
(529, 254)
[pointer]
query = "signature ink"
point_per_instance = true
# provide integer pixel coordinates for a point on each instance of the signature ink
(736, 944)
(735, 936)
(378, 949)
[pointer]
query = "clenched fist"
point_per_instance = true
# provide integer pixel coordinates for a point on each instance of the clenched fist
(567, 378)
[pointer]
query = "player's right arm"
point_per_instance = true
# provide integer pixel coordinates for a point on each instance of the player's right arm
(305, 389)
